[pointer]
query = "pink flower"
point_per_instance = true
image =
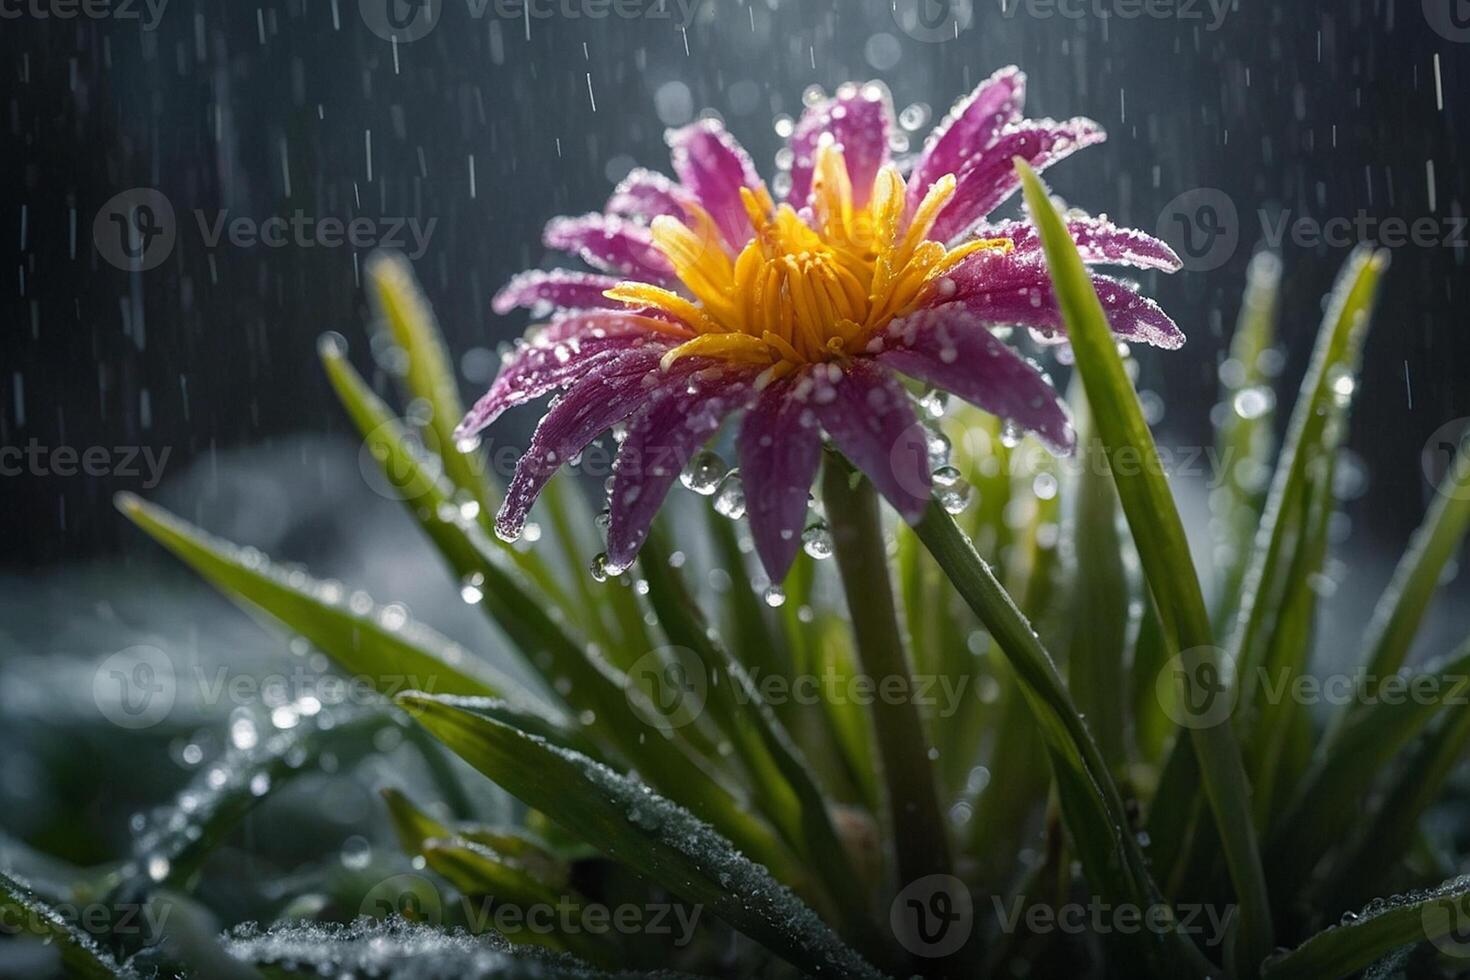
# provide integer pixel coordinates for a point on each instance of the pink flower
(712, 298)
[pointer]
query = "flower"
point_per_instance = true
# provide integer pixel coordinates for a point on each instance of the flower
(712, 298)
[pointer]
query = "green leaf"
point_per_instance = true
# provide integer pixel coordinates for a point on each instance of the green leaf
(1163, 551)
(428, 374)
(1328, 801)
(1437, 915)
(477, 869)
(171, 848)
(1416, 784)
(515, 844)
(1097, 673)
(81, 955)
(627, 821)
(1401, 609)
(1245, 438)
(400, 950)
(1313, 434)
(782, 778)
(1093, 808)
(374, 645)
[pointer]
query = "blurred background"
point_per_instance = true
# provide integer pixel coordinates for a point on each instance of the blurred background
(195, 382)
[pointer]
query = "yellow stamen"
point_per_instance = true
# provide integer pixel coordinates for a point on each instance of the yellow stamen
(801, 293)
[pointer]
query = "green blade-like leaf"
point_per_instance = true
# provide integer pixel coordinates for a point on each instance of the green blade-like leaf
(783, 779)
(372, 645)
(173, 845)
(513, 844)
(1163, 551)
(400, 950)
(81, 956)
(1436, 916)
(1096, 671)
(627, 821)
(1245, 439)
(404, 309)
(1416, 579)
(478, 870)
(1330, 382)
(598, 692)
(1328, 800)
(1091, 804)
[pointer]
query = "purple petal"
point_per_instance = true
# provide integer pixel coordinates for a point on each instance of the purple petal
(780, 449)
(859, 120)
(584, 324)
(952, 349)
(971, 126)
(989, 177)
(680, 414)
(1099, 241)
(868, 415)
(562, 288)
(1015, 289)
(600, 400)
(713, 167)
(611, 244)
(646, 194)
(534, 369)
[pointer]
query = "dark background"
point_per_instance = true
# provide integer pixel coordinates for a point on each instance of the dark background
(1324, 108)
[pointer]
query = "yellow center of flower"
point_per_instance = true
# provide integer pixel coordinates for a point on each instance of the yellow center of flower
(798, 293)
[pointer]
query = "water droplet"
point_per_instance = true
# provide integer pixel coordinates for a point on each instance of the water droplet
(816, 541)
(704, 473)
(1253, 403)
(775, 597)
(730, 499)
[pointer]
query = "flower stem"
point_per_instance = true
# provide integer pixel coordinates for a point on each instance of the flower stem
(918, 829)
